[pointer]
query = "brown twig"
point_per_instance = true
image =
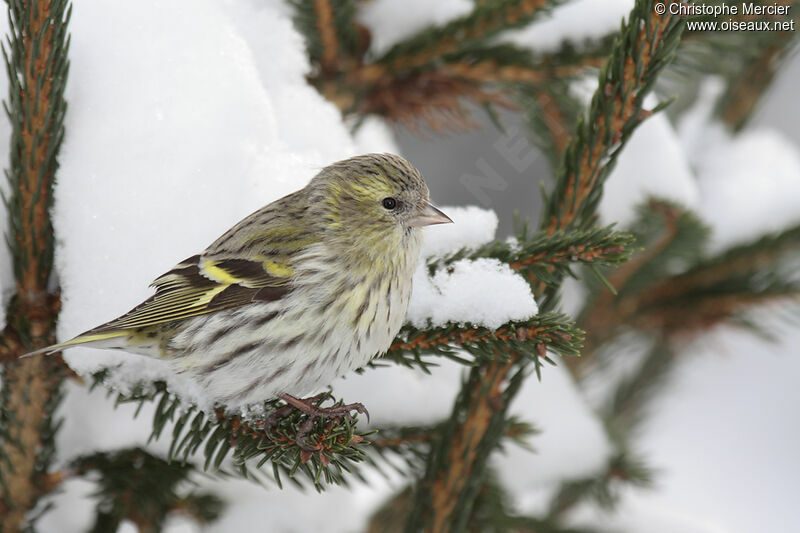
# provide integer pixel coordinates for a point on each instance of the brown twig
(327, 34)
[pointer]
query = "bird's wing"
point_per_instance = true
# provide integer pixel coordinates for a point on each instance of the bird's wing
(205, 284)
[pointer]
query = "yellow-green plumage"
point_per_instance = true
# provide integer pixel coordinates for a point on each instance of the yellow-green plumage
(299, 292)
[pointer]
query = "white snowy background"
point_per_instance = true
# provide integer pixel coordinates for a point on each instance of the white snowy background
(187, 115)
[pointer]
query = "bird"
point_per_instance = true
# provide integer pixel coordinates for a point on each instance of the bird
(301, 291)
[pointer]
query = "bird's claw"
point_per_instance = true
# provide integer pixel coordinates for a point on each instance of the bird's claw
(309, 407)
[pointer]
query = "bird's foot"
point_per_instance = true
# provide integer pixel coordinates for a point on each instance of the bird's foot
(281, 412)
(310, 407)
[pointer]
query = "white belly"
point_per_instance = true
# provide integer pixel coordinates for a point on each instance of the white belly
(295, 346)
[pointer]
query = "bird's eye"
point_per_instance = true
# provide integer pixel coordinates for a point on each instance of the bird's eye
(389, 203)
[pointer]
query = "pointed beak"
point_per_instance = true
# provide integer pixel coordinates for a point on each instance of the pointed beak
(428, 216)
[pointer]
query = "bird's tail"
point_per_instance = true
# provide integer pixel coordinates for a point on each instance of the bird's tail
(108, 339)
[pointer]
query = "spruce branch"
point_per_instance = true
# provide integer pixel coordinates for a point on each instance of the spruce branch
(747, 259)
(625, 409)
(137, 486)
(322, 451)
(616, 110)
(550, 111)
(483, 22)
(602, 489)
(746, 90)
(36, 61)
(426, 78)
(491, 513)
(434, 97)
(549, 107)
(721, 289)
(445, 495)
(531, 339)
(669, 237)
(657, 299)
(331, 32)
(622, 415)
(747, 60)
(545, 259)
(509, 63)
(486, 74)
(413, 443)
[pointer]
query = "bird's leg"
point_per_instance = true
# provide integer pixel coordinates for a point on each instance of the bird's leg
(281, 412)
(308, 406)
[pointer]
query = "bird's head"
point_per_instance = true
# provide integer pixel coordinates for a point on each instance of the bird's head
(375, 199)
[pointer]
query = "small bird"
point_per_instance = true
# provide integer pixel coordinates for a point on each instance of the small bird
(301, 291)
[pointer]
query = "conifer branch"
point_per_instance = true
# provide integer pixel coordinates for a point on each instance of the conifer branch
(544, 259)
(625, 409)
(36, 62)
(616, 110)
(331, 32)
(321, 451)
(427, 77)
(453, 476)
(594, 246)
(747, 60)
(746, 90)
(445, 496)
(431, 96)
(394, 438)
(433, 43)
(550, 114)
(600, 489)
(137, 486)
(745, 259)
(550, 108)
(666, 233)
(708, 292)
(413, 443)
(530, 339)
(491, 512)
(489, 70)
(621, 416)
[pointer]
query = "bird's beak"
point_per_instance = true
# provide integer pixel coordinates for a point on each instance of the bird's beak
(428, 216)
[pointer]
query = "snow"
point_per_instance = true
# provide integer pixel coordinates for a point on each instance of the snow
(725, 436)
(472, 227)
(749, 183)
(569, 447)
(205, 142)
(750, 186)
(482, 292)
(390, 21)
(574, 22)
(653, 163)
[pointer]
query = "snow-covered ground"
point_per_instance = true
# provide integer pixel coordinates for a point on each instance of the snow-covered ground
(185, 116)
